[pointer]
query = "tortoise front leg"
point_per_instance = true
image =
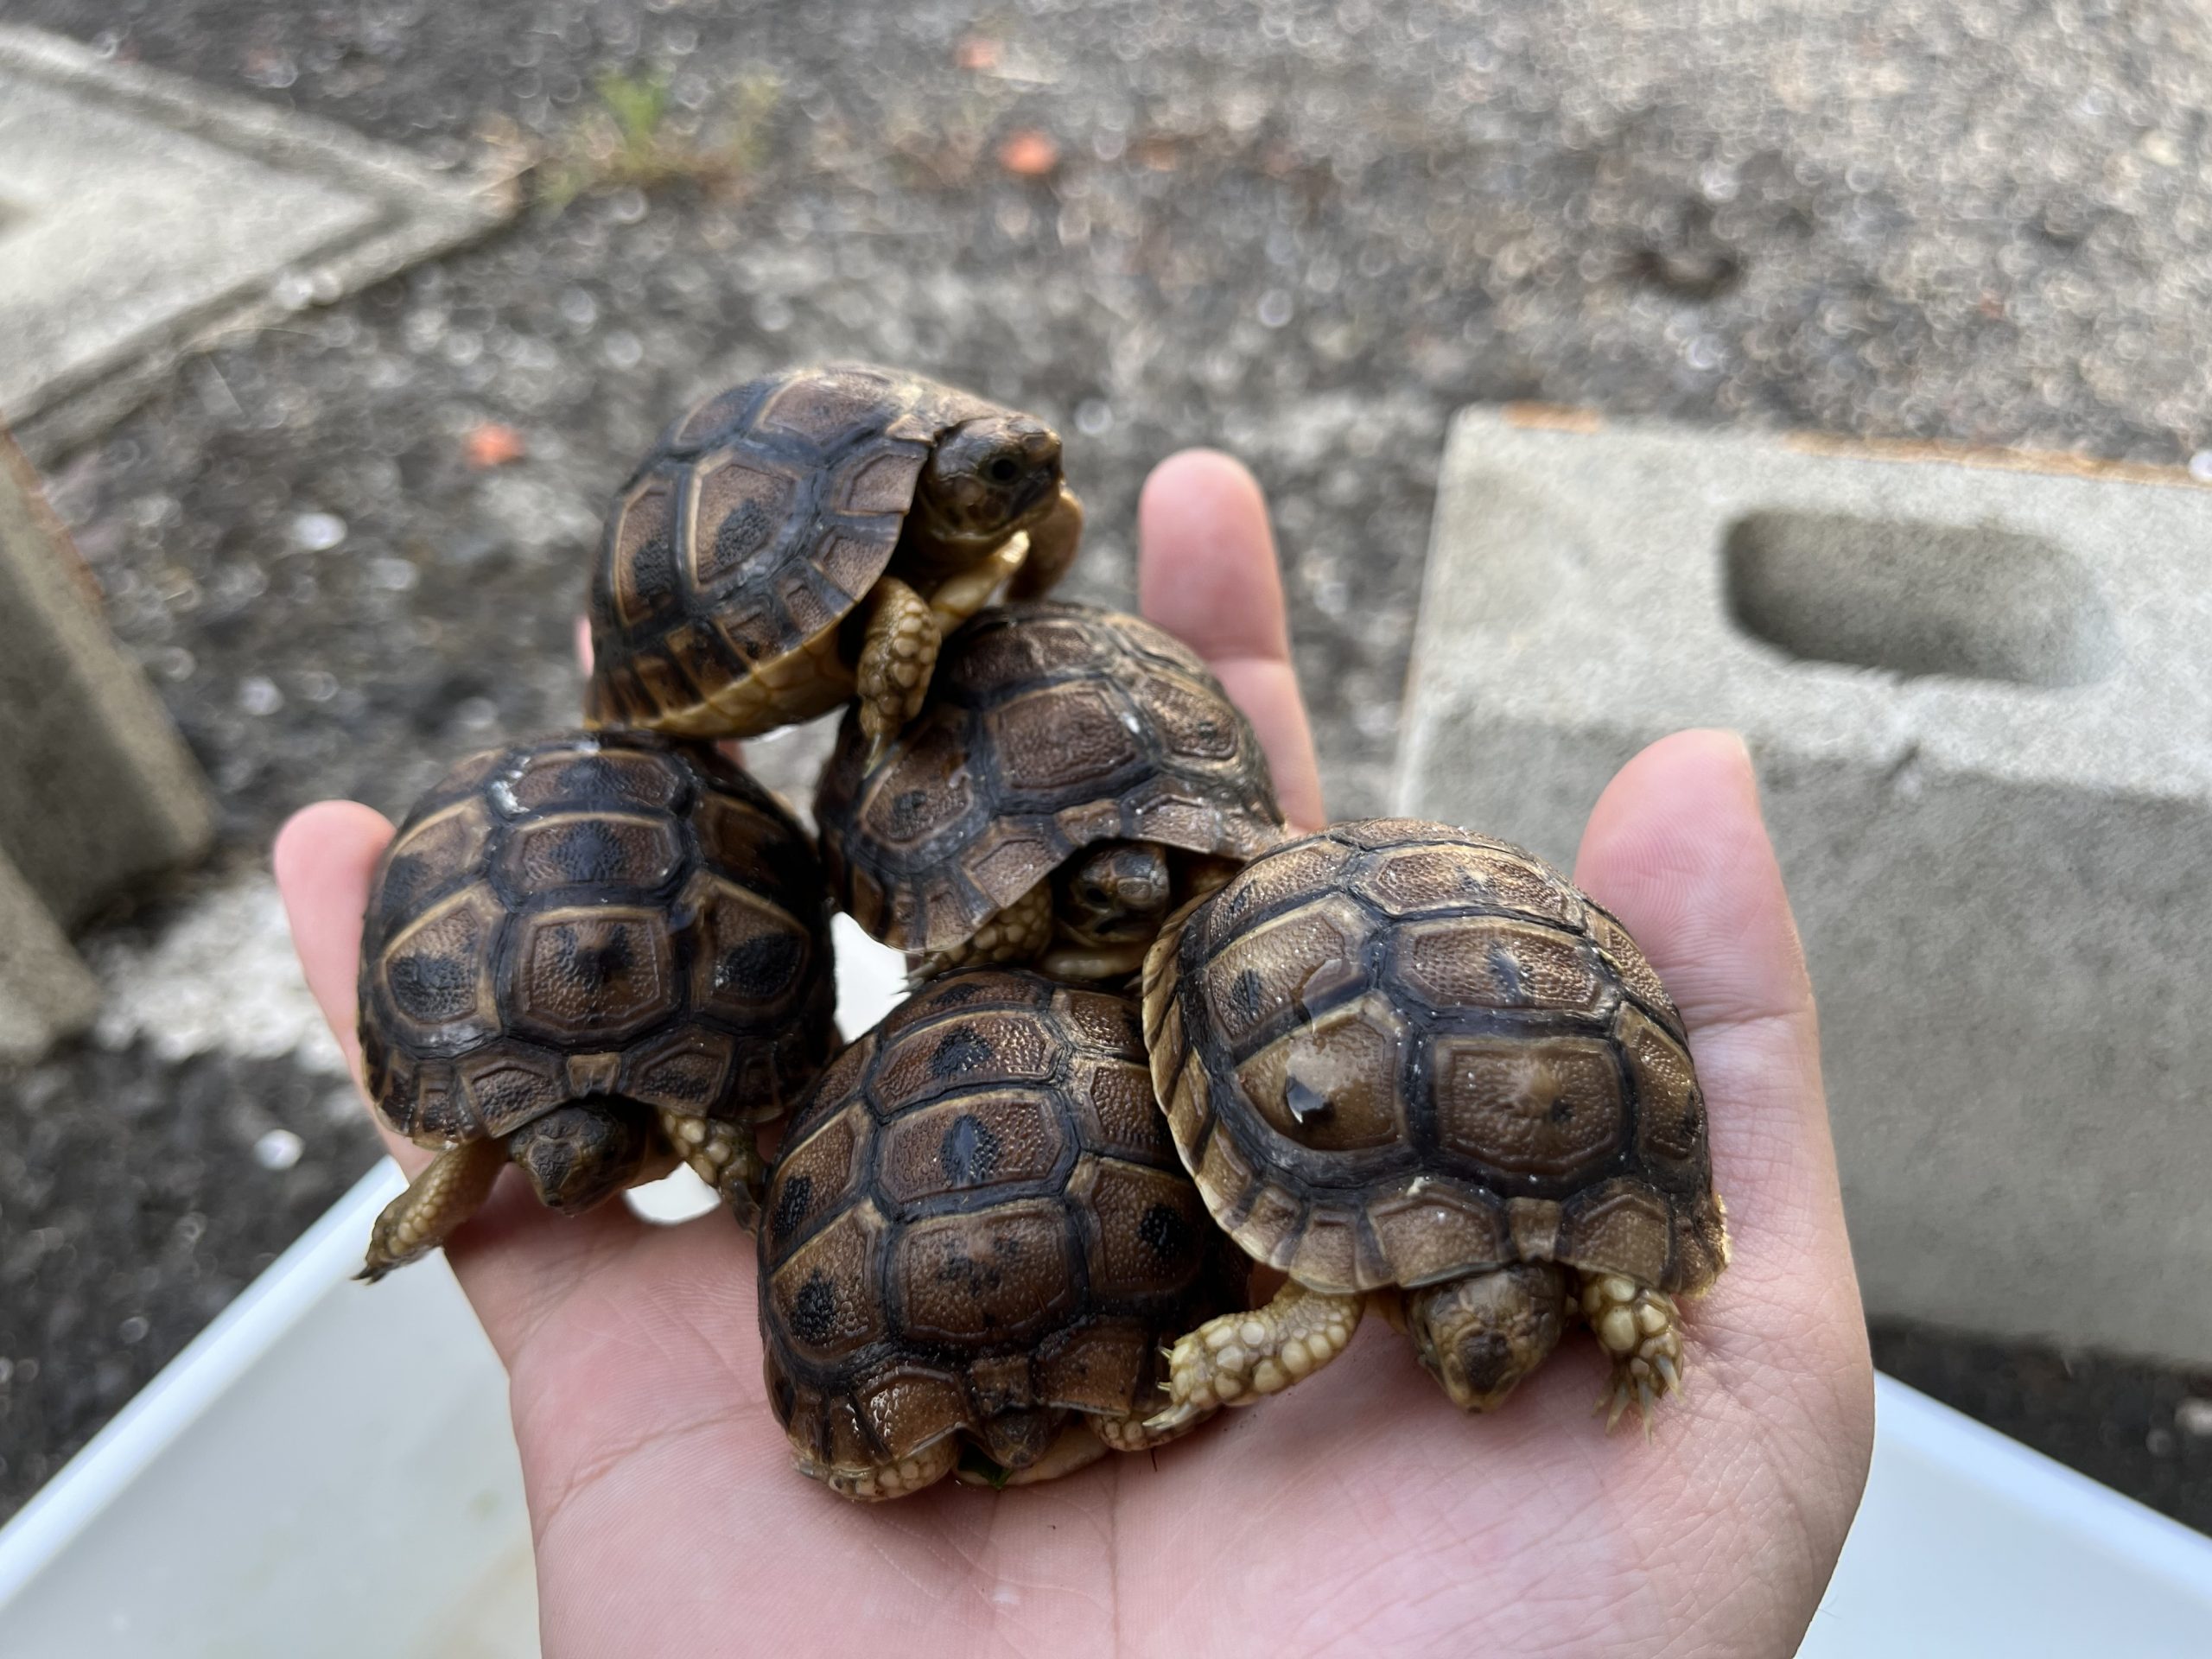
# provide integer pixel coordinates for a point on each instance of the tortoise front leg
(1052, 547)
(1015, 934)
(447, 1192)
(1237, 1358)
(960, 596)
(877, 1482)
(898, 654)
(1641, 1330)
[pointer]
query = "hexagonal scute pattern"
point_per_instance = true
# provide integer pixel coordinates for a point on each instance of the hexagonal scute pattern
(1375, 1042)
(1032, 1238)
(649, 913)
(1049, 728)
(756, 525)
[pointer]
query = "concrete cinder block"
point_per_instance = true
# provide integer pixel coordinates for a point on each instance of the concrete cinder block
(46, 993)
(96, 790)
(1979, 688)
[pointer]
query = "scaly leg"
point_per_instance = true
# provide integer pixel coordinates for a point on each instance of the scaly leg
(876, 1482)
(1052, 547)
(722, 1155)
(1014, 934)
(1235, 1359)
(446, 1193)
(1134, 1431)
(1641, 1330)
(897, 657)
(958, 597)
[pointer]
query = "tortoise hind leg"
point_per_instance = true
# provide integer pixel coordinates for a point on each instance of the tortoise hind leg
(898, 654)
(448, 1191)
(1641, 1330)
(1236, 1359)
(725, 1156)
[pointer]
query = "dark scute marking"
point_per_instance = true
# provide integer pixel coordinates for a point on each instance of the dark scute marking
(433, 983)
(599, 966)
(786, 1397)
(906, 812)
(1244, 994)
(590, 852)
(958, 1052)
(1562, 1111)
(791, 1204)
(814, 1310)
(1168, 1235)
(1305, 1102)
(652, 570)
(969, 1151)
(405, 880)
(1693, 1122)
(757, 968)
(744, 533)
(590, 779)
(952, 995)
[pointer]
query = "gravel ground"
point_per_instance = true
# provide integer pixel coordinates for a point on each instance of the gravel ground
(1305, 232)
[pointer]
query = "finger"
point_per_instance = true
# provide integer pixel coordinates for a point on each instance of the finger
(1207, 573)
(324, 857)
(1676, 849)
(514, 1258)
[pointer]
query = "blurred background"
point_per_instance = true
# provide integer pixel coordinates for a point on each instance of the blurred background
(346, 543)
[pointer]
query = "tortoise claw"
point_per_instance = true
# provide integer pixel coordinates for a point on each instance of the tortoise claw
(1174, 1418)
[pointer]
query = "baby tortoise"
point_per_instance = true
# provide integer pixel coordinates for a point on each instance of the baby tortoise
(977, 1235)
(588, 955)
(811, 536)
(1397, 1055)
(1074, 775)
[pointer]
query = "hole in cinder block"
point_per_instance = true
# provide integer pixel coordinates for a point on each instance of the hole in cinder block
(1981, 603)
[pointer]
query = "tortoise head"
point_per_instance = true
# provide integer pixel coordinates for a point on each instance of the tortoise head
(991, 476)
(1478, 1335)
(581, 1152)
(1117, 892)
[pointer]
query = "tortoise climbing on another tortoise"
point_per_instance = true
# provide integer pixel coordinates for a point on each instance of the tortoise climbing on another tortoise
(1396, 1057)
(587, 955)
(1074, 774)
(977, 1237)
(811, 536)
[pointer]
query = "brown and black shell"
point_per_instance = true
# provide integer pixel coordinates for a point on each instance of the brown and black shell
(752, 529)
(1394, 1052)
(978, 1211)
(1049, 727)
(593, 914)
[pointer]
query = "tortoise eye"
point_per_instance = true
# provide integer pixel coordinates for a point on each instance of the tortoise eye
(1004, 470)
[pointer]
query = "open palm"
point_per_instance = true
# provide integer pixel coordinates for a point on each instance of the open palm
(1359, 1512)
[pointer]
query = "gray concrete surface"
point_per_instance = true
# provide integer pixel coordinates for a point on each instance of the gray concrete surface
(96, 790)
(142, 216)
(1305, 230)
(1981, 706)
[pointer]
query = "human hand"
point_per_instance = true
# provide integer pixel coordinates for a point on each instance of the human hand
(1360, 1511)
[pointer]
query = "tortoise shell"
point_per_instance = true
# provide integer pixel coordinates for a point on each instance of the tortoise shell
(593, 914)
(978, 1211)
(1049, 727)
(752, 529)
(1394, 1052)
